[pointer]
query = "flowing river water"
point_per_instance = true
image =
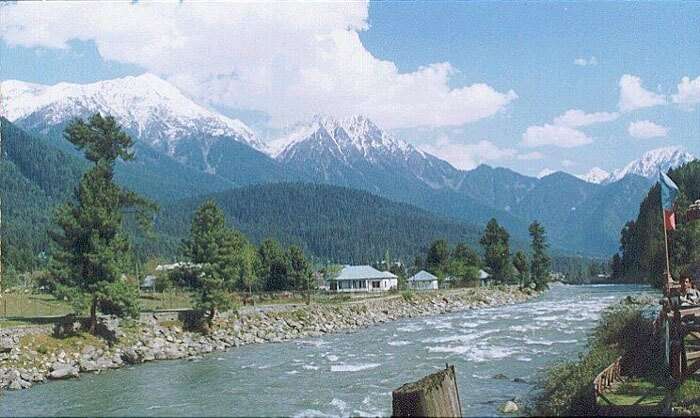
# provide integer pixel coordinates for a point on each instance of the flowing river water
(346, 374)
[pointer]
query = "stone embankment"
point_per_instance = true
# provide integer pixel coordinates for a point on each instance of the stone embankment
(28, 358)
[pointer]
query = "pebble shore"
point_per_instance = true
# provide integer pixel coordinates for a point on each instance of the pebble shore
(24, 364)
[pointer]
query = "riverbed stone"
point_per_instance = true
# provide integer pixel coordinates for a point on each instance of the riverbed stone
(509, 407)
(63, 371)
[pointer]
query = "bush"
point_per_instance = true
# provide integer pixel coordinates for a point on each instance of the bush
(407, 295)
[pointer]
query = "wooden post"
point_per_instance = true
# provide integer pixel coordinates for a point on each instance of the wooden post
(435, 395)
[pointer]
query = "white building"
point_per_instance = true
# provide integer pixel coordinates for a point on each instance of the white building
(423, 281)
(363, 279)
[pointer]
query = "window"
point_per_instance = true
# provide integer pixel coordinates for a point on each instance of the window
(375, 285)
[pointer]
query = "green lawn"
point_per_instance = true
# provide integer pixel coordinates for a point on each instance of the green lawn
(636, 392)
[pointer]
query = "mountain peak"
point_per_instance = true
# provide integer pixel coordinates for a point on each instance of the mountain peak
(348, 135)
(146, 105)
(653, 161)
(596, 175)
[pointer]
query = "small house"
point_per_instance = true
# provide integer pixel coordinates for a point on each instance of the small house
(423, 281)
(363, 279)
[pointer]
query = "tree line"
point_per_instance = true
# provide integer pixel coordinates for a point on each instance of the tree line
(462, 264)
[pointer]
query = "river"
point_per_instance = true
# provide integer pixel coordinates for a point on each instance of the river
(346, 374)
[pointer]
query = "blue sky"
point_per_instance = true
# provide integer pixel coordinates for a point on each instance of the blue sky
(530, 49)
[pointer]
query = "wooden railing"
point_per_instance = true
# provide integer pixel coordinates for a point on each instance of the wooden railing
(607, 377)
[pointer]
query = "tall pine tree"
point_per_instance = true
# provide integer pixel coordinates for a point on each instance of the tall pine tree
(91, 249)
(495, 242)
(541, 263)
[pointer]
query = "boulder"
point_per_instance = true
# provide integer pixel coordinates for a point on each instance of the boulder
(131, 356)
(63, 371)
(87, 365)
(509, 407)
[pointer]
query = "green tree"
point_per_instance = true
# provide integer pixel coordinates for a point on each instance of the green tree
(520, 263)
(495, 242)
(300, 271)
(616, 267)
(273, 266)
(437, 258)
(215, 248)
(541, 263)
(92, 249)
(466, 255)
(249, 268)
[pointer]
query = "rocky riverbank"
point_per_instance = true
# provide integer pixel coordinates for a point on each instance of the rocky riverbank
(28, 358)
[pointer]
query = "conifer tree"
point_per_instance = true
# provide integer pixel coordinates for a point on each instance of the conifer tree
(215, 248)
(521, 266)
(541, 263)
(495, 242)
(91, 248)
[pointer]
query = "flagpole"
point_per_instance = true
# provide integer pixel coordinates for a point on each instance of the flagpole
(669, 280)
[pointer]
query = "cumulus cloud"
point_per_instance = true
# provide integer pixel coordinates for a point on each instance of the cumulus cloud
(555, 135)
(575, 118)
(688, 93)
(645, 129)
(288, 59)
(468, 156)
(633, 96)
(586, 61)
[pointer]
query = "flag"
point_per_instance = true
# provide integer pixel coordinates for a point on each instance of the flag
(669, 191)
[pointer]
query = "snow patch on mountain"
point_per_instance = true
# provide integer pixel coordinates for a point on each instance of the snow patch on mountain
(353, 134)
(649, 165)
(596, 175)
(148, 106)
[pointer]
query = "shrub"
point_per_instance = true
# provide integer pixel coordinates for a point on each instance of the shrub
(407, 295)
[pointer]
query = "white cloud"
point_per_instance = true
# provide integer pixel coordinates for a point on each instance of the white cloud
(688, 93)
(567, 163)
(584, 62)
(555, 135)
(545, 172)
(468, 156)
(645, 129)
(575, 118)
(633, 96)
(535, 155)
(287, 59)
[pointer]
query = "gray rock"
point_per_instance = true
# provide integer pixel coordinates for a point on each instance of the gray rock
(7, 343)
(105, 363)
(509, 407)
(63, 371)
(88, 365)
(131, 356)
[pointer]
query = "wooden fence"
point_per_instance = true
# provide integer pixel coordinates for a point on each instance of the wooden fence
(607, 378)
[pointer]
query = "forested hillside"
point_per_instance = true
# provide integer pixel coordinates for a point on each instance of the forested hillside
(642, 240)
(34, 178)
(333, 223)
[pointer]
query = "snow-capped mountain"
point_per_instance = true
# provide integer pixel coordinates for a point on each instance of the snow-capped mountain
(596, 175)
(154, 112)
(652, 162)
(354, 151)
